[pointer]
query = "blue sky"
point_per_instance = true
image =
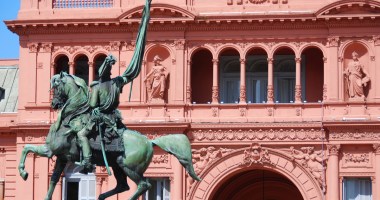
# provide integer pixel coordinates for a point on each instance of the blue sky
(9, 42)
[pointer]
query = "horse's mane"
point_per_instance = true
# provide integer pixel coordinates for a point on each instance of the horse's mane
(76, 104)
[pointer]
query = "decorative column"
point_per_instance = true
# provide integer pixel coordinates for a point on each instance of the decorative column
(376, 148)
(71, 68)
(298, 96)
(2, 181)
(188, 86)
(243, 99)
(215, 87)
(325, 78)
(270, 91)
(333, 43)
(91, 72)
(333, 172)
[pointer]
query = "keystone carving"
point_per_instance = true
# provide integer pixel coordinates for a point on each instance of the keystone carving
(256, 155)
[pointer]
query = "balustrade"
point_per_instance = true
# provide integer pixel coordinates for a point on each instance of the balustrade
(82, 3)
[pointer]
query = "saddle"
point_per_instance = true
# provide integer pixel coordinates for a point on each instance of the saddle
(113, 145)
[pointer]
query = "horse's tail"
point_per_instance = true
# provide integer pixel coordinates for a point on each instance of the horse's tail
(179, 146)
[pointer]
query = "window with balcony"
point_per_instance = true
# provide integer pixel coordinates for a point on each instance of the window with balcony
(62, 64)
(357, 189)
(229, 76)
(82, 3)
(257, 78)
(160, 189)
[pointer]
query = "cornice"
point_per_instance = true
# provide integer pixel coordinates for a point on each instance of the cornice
(56, 27)
(315, 125)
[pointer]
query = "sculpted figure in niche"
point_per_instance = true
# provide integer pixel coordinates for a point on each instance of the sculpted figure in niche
(311, 160)
(155, 81)
(356, 78)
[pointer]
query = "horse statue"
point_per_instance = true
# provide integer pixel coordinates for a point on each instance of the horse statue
(132, 160)
(127, 152)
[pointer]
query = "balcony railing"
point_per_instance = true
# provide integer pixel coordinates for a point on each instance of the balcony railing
(82, 3)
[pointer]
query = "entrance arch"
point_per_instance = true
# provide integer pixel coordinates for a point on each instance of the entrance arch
(271, 160)
(256, 184)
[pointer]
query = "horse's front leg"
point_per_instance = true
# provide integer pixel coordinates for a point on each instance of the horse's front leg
(42, 151)
(58, 169)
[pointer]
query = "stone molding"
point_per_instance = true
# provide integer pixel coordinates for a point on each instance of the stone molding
(257, 134)
(354, 134)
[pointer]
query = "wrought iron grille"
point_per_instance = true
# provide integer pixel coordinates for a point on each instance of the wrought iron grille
(82, 3)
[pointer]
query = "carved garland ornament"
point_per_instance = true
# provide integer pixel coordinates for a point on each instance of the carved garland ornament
(258, 134)
(349, 157)
(160, 159)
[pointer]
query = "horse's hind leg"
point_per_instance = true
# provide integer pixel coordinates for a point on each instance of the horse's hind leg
(142, 184)
(43, 151)
(121, 185)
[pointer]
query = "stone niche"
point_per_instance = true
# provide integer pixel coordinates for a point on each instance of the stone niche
(158, 62)
(357, 73)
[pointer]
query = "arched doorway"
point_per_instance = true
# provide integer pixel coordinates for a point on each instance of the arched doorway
(256, 184)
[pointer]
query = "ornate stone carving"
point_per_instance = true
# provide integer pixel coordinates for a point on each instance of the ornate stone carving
(33, 47)
(312, 160)
(324, 92)
(204, 157)
(47, 47)
(333, 149)
(372, 58)
(270, 95)
(333, 41)
(71, 49)
(91, 49)
(376, 40)
(271, 134)
(243, 111)
(356, 79)
(298, 111)
(256, 155)
(270, 111)
(376, 148)
(180, 44)
(131, 45)
(366, 134)
(215, 94)
(214, 111)
(298, 96)
(349, 157)
(188, 94)
(242, 93)
(157, 159)
(115, 45)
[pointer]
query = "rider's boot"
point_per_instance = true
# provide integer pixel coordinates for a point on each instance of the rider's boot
(86, 151)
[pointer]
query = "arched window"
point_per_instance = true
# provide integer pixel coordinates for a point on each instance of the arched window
(201, 76)
(256, 76)
(229, 76)
(61, 64)
(284, 72)
(81, 67)
(99, 59)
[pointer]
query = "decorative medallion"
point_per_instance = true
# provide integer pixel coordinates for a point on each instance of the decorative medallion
(256, 155)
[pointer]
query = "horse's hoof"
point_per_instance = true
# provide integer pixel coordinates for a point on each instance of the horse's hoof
(24, 175)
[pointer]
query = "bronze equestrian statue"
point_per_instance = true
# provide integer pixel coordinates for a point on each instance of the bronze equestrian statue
(92, 123)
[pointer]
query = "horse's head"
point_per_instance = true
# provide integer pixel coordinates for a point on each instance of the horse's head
(57, 84)
(64, 87)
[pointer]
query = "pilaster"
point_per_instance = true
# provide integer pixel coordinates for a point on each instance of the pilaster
(333, 65)
(333, 172)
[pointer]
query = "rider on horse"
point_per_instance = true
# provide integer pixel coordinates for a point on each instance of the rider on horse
(105, 117)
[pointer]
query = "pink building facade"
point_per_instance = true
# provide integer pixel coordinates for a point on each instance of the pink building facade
(280, 98)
